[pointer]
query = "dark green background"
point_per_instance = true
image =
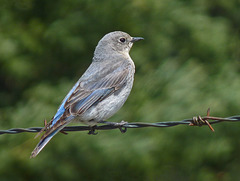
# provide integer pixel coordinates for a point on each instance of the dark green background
(189, 61)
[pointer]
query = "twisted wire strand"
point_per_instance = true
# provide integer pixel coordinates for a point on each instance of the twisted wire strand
(195, 121)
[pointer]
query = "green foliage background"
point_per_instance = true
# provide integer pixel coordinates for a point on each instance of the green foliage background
(189, 61)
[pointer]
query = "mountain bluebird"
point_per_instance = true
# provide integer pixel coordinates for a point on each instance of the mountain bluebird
(101, 91)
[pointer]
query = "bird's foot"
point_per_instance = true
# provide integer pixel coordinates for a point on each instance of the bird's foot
(92, 130)
(120, 125)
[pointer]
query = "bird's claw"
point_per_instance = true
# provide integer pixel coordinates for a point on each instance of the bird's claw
(92, 131)
(122, 128)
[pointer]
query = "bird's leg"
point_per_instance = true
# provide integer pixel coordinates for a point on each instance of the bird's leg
(120, 125)
(93, 130)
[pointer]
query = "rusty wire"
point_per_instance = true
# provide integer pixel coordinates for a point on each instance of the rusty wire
(195, 121)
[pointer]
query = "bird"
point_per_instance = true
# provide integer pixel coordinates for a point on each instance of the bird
(100, 92)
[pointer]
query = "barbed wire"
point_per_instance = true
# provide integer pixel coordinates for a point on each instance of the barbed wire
(195, 121)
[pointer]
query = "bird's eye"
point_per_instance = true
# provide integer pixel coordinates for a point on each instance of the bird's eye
(122, 40)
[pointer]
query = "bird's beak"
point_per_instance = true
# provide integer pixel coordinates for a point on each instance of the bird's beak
(134, 39)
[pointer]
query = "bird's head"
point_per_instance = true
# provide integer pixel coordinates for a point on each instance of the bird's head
(116, 42)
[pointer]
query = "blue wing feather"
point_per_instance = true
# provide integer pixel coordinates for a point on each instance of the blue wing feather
(61, 108)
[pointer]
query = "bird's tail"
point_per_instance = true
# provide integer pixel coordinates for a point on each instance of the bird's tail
(46, 138)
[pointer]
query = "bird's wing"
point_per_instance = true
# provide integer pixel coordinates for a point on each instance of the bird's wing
(86, 95)
(80, 98)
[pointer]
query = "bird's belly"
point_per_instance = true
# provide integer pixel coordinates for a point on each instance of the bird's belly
(107, 107)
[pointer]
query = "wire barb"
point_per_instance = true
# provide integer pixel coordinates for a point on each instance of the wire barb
(199, 121)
